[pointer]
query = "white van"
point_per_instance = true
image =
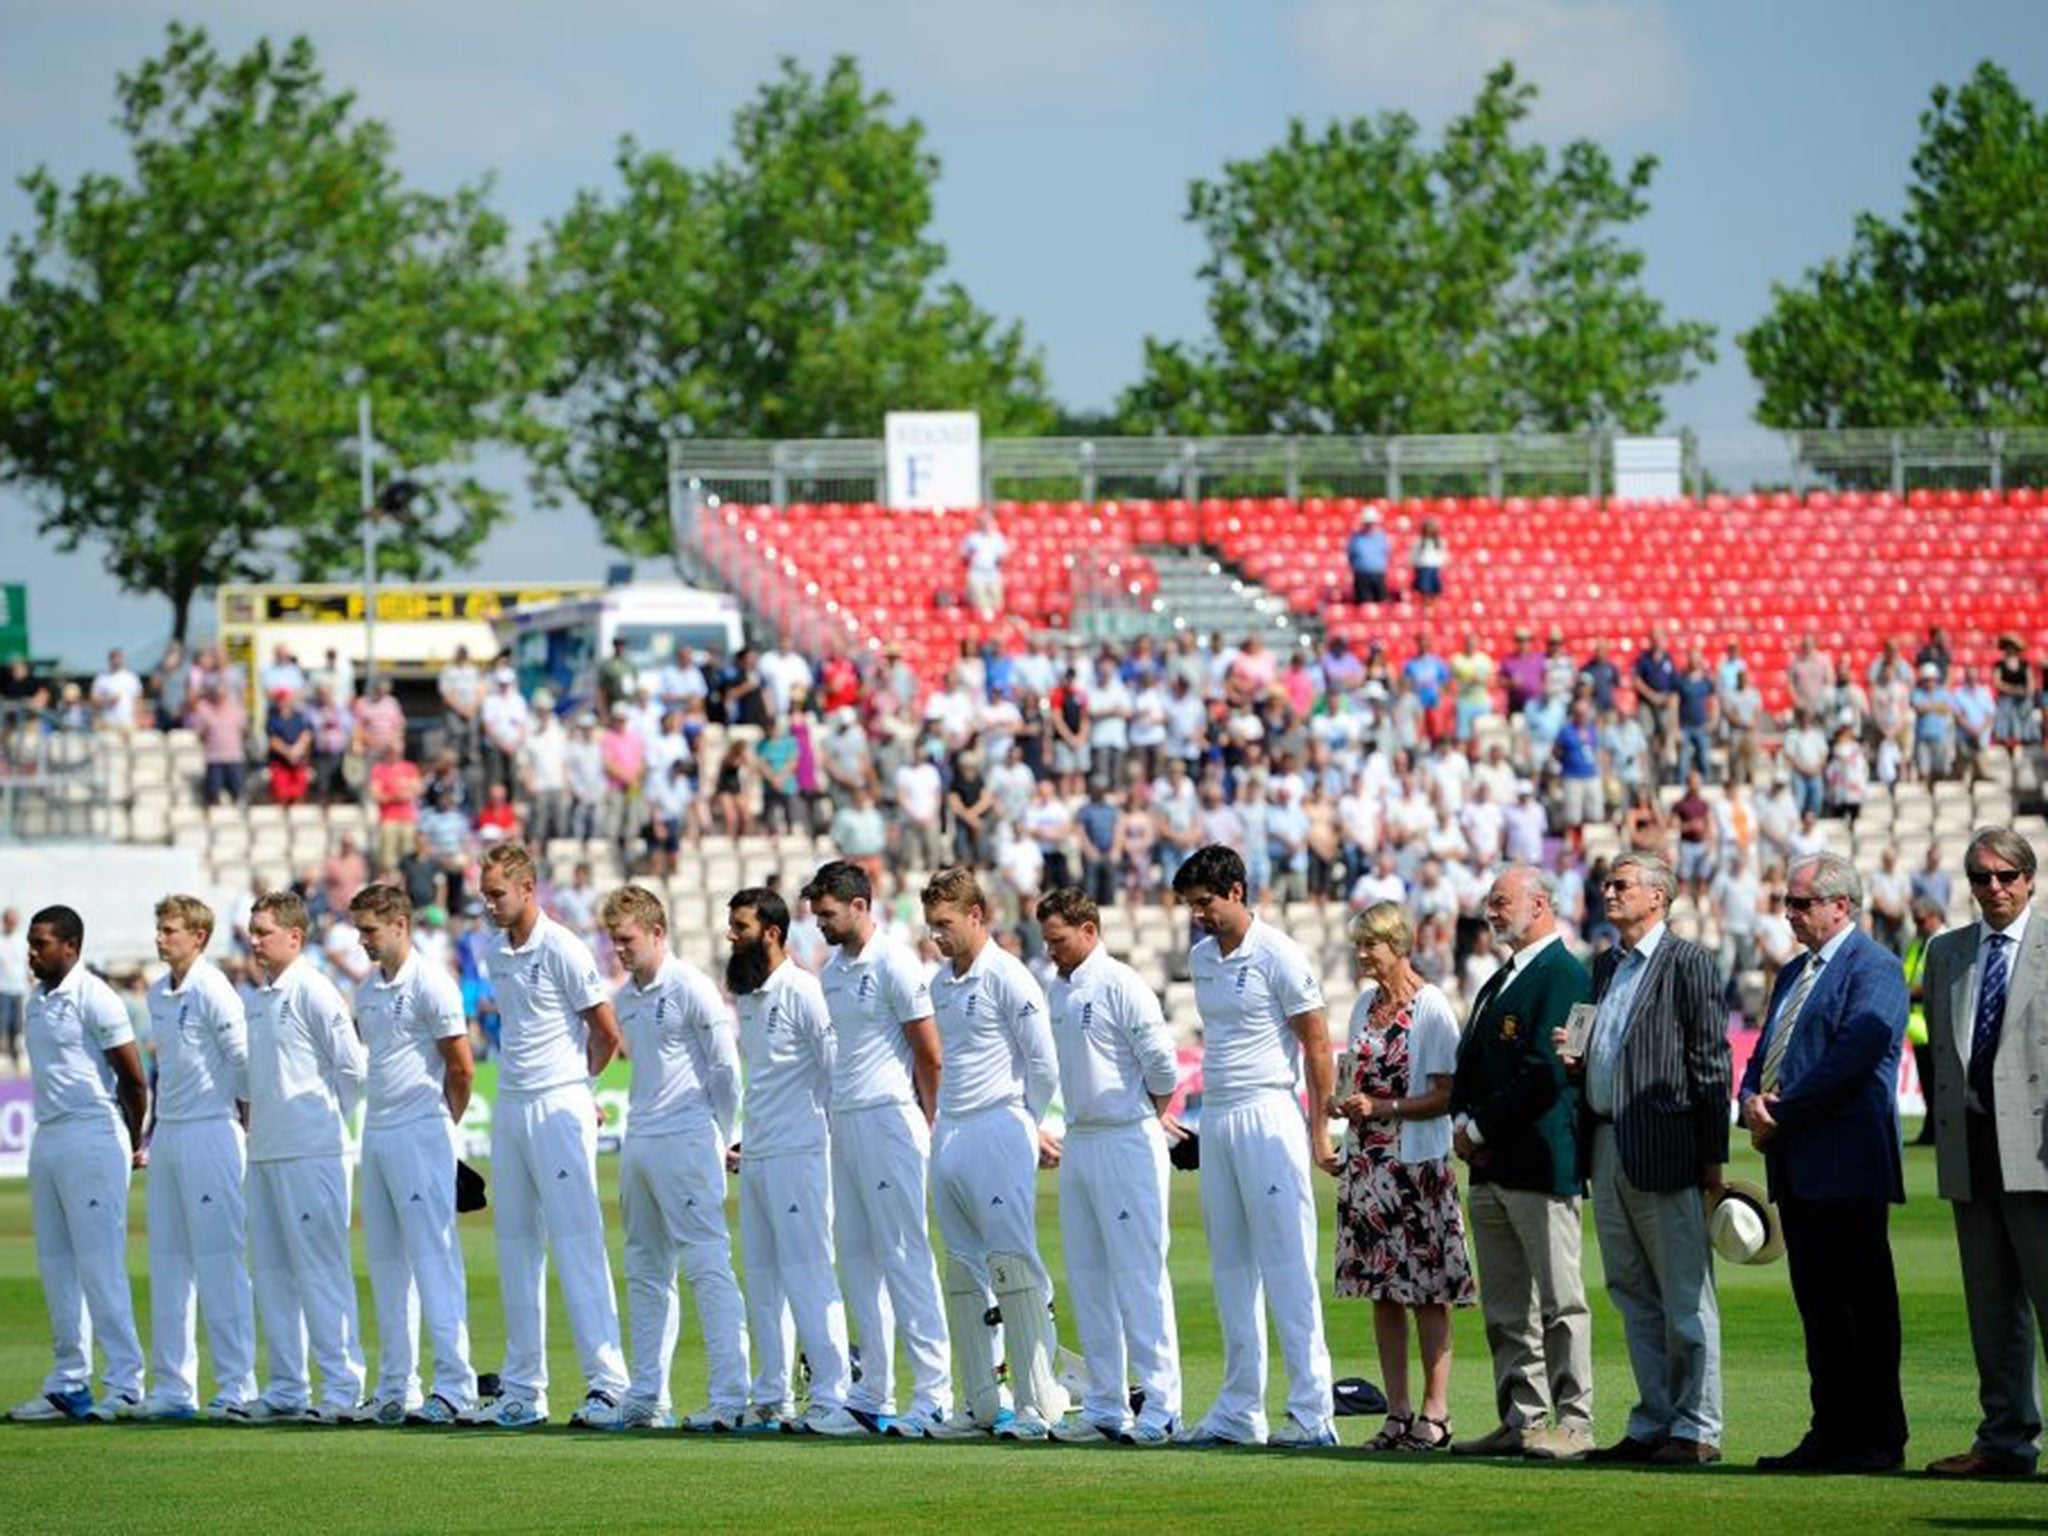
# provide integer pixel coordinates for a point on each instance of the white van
(558, 646)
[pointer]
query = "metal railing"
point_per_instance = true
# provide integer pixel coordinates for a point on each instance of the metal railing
(1104, 468)
(53, 778)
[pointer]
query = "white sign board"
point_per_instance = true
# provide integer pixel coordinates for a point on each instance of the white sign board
(1649, 468)
(114, 887)
(934, 459)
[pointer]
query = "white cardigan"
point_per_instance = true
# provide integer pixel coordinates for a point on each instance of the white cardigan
(1432, 1052)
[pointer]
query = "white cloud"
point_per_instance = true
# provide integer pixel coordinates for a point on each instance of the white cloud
(1600, 64)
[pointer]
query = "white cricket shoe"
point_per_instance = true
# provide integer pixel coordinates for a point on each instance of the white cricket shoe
(713, 1421)
(52, 1407)
(386, 1411)
(108, 1409)
(1024, 1424)
(263, 1411)
(598, 1410)
(1076, 1430)
(435, 1412)
(837, 1423)
(1141, 1433)
(961, 1425)
(764, 1419)
(155, 1410)
(918, 1424)
(1297, 1436)
(512, 1413)
(641, 1413)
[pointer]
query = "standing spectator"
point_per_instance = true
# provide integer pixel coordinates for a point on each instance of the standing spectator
(1656, 684)
(984, 550)
(1698, 712)
(1820, 1099)
(2017, 723)
(115, 694)
(775, 761)
(1427, 558)
(1976, 713)
(337, 673)
(1928, 920)
(1428, 674)
(462, 701)
(1578, 755)
(1523, 670)
(170, 686)
(971, 808)
(1809, 676)
(289, 739)
(1930, 881)
(583, 762)
(1848, 775)
(729, 790)
(860, 833)
(1805, 753)
(283, 675)
(395, 785)
(1097, 820)
(1935, 654)
(1366, 553)
(624, 753)
(1891, 901)
(506, 722)
(343, 872)
(380, 723)
(333, 732)
(1472, 678)
(1109, 735)
(1934, 726)
(542, 773)
(1742, 717)
(920, 796)
(13, 984)
(222, 725)
(1602, 676)
(1400, 1236)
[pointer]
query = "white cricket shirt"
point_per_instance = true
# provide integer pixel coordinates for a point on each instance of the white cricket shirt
(1114, 1049)
(404, 1020)
(871, 997)
(305, 1067)
(994, 1036)
(1246, 999)
(542, 988)
(685, 1053)
(70, 1029)
(201, 1037)
(787, 1043)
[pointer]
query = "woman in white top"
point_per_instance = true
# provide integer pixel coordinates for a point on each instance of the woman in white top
(1400, 1236)
(1427, 558)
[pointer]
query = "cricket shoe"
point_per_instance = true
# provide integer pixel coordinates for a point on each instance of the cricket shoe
(512, 1413)
(1297, 1436)
(1141, 1432)
(263, 1411)
(962, 1425)
(640, 1413)
(1202, 1438)
(834, 1423)
(435, 1412)
(764, 1419)
(1024, 1424)
(121, 1406)
(918, 1424)
(224, 1409)
(155, 1410)
(1075, 1430)
(713, 1421)
(53, 1407)
(388, 1412)
(871, 1421)
(335, 1417)
(598, 1410)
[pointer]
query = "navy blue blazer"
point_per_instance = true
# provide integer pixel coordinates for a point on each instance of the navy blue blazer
(1838, 1108)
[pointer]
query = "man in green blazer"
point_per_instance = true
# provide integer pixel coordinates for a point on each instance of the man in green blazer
(1515, 1116)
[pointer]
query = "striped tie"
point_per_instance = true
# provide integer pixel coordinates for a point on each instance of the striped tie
(1788, 1020)
(1992, 977)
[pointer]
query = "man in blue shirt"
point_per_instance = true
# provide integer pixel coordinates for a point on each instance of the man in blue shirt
(1698, 709)
(1366, 552)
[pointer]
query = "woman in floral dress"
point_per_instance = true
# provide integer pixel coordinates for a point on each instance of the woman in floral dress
(1400, 1236)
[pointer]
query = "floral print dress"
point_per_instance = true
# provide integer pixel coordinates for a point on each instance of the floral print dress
(1400, 1234)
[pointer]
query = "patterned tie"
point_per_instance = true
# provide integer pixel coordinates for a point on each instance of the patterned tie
(1788, 1020)
(1991, 984)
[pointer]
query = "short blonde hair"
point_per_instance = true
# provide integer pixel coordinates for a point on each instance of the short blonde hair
(286, 909)
(511, 860)
(633, 904)
(386, 903)
(189, 910)
(957, 886)
(1388, 923)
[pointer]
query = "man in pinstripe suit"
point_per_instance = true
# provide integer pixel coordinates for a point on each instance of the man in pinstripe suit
(1654, 1126)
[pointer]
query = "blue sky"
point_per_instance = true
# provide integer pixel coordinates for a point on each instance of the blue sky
(1068, 131)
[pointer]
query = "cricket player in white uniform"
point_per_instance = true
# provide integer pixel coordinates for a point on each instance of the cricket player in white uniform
(1262, 1025)
(785, 1180)
(999, 1077)
(679, 1119)
(198, 1161)
(557, 1033)
(420, 1076)
(90, 1100)
(885, 1094)
(1117, 1076)
(305, 1075)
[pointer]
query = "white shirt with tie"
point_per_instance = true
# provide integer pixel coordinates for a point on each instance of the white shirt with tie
(1966, 1023)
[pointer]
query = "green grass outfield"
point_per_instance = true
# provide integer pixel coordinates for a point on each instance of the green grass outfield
(176, 1478)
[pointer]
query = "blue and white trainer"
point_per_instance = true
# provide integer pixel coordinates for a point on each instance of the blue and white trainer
(1077, 1430)
(155, 1410)
(642, 1413)
(53, 1407)
(713, 1421)
(1297, 1436)
(918, 1424)
(512, 1413)
(1143, 1433)
(120, 1406)
(436, 1412)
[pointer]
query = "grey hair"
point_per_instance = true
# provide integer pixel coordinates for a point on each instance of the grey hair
(1657, 875)
(2005, 844)
(1832, 876)
(1545, 881)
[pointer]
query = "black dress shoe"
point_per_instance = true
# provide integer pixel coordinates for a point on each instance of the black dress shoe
(1807, 1456)
(1870, 1459)
(1626, 1451)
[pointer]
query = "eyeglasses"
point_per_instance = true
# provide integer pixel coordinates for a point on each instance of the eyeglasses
(1802, 903)
(1983, 877)
(1616, 887)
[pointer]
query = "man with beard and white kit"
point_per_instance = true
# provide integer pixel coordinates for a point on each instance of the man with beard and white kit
(557, 1033)
(1117, 1075)
(787, 1044)
(90, 1100)
(679, 1117)
(1262, 1025)
(306, 1070)
(1000, 1074)
(198, 1161)
(420, 1077)
(885, 1092)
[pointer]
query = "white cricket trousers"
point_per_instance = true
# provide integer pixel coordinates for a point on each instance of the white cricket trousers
(1113, 1225)
(881, 1157)
(1259, 1215)
(305, 1283)
(78, 1199)
(416, 1270)
(786, 1240)
(199, 1250)
(985, 1188)
(544, 1166)
(672, 1200)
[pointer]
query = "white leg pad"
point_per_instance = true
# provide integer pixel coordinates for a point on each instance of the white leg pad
(974, 1342)
(1027, 1328)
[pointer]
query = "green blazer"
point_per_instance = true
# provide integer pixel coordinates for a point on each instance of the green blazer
(1510, 1082)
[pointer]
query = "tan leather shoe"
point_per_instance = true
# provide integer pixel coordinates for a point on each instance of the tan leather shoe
(1508, 1440)
(1982, 1464)
(1563, 1442)
(1685, 1453)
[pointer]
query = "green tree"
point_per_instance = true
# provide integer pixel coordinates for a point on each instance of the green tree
(1940, 319)
(1362, 280)
(182, 348)
(791, 290)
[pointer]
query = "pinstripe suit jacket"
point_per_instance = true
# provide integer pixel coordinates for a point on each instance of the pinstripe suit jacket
(1671, 1085)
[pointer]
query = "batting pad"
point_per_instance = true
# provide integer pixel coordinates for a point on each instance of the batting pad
(1027, 1329)
(974, 1343)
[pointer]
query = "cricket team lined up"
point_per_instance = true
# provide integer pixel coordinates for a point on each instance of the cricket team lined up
(875, 1100)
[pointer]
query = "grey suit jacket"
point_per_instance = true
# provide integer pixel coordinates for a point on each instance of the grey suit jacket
(1671, 1083)
(2019, 1074)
